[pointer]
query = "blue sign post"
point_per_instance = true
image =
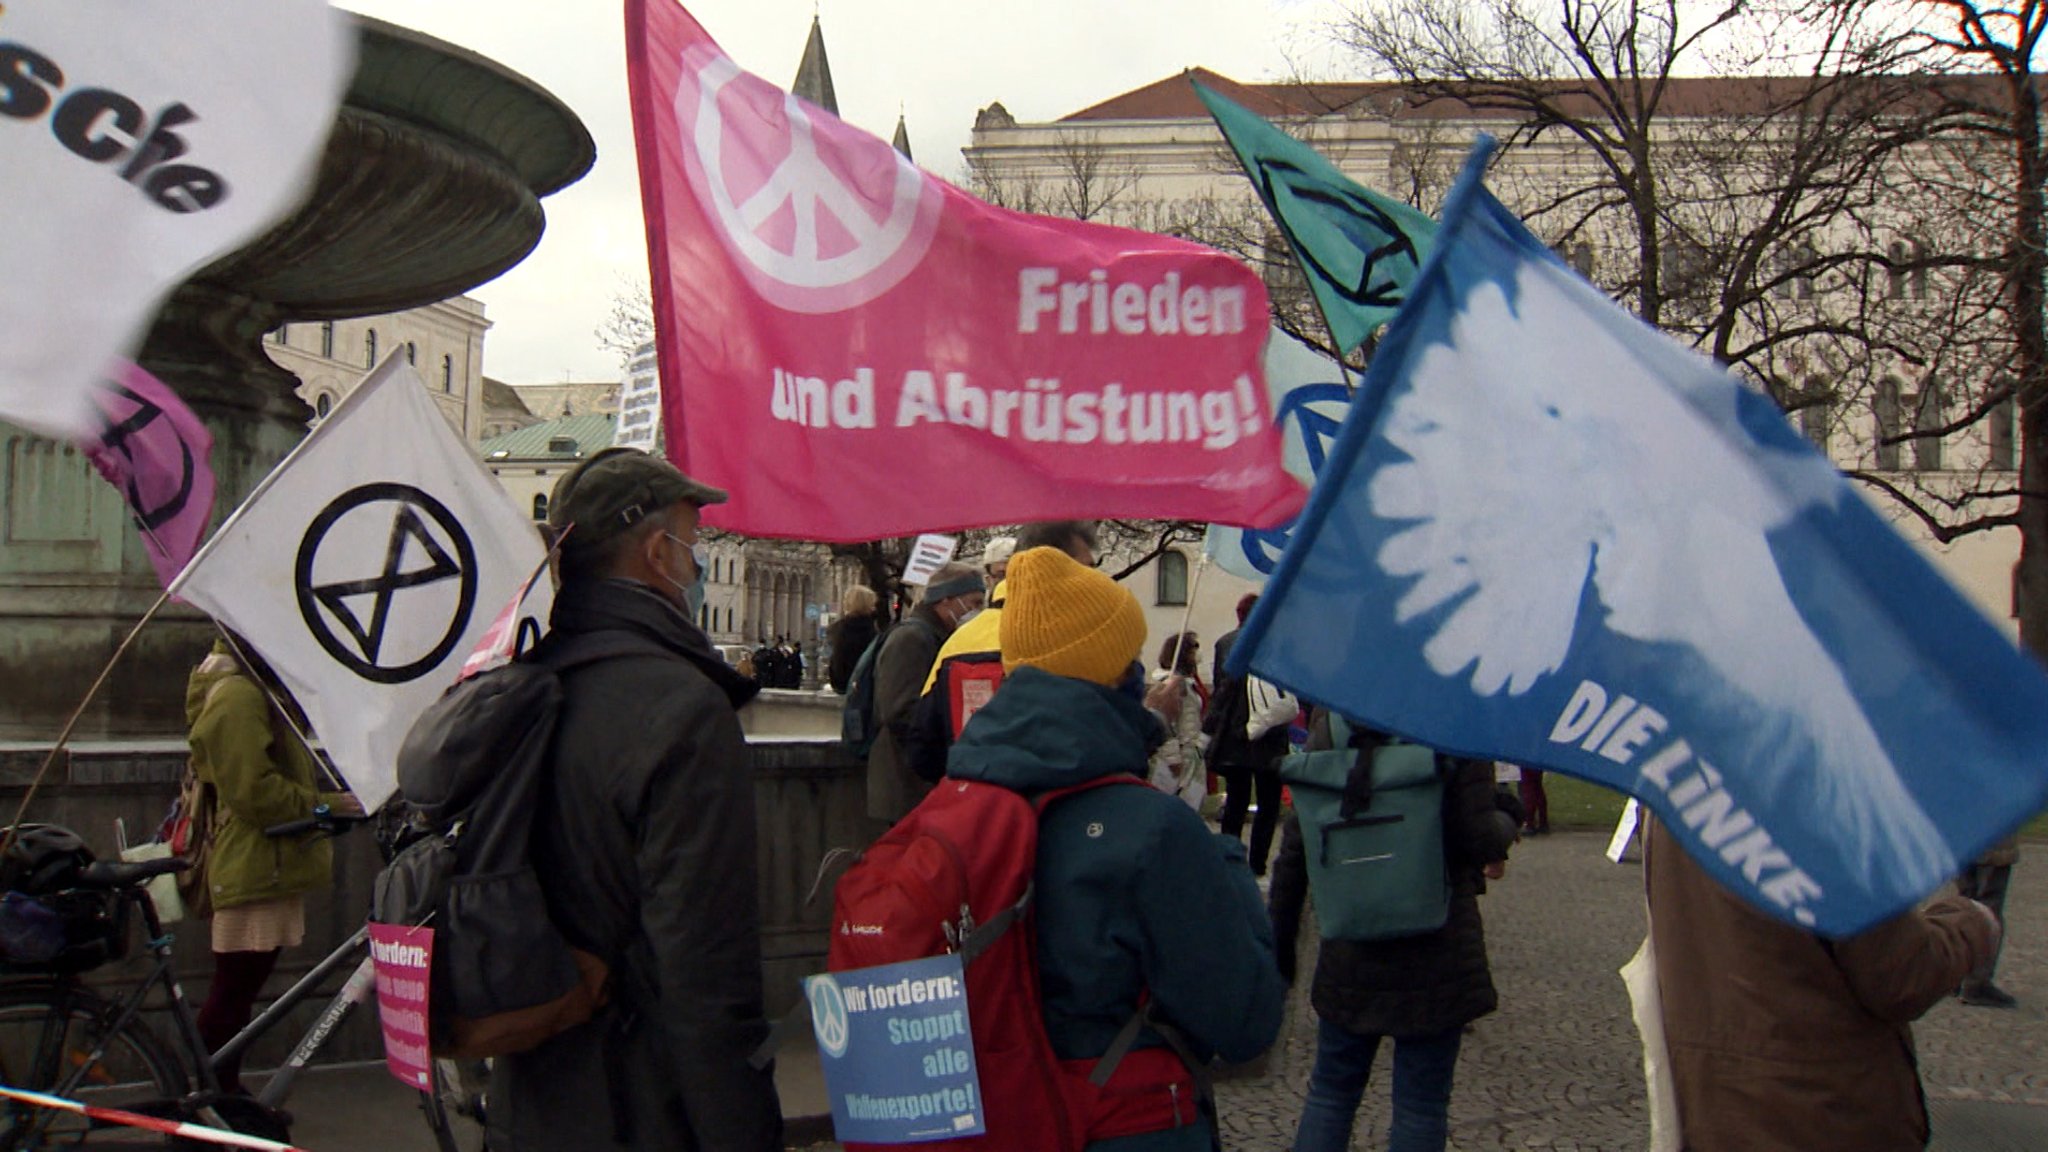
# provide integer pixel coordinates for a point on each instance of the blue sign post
(896, 1051)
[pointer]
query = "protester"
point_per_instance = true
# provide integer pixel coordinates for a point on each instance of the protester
(1781, 1041)
(1177, 766)
(908, 652)
(647, 855)
(972, 652)
(850, 635)
(1269, 712)
(1420, 991)
(995, 560)
(1243, 763)
(792, 669)
(262, 774)
(1138, 904)
(1985, 881)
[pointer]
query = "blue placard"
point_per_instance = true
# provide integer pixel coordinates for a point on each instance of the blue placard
(896, 1051)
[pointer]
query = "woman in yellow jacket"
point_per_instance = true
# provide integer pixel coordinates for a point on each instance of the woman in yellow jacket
(262, 774)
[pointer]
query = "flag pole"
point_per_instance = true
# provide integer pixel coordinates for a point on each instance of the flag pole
(1187, 614)
(64, 737)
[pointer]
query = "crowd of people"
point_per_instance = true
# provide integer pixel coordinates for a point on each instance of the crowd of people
(1026, 671)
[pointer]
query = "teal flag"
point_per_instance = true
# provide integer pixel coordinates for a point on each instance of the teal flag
(1360, 250)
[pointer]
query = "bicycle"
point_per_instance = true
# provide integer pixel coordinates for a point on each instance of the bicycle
(60, 1037)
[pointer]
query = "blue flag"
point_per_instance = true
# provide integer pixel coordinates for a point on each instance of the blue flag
(1548, 534)
(1309, 398)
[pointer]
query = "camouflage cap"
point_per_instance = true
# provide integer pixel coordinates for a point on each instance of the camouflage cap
(618, 488)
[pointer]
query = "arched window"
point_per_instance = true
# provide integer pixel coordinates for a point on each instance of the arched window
(2005, 440)
(540, 506)
(1814, 416)
(1927, 422)
(327, 339)
(1889, 409)
(412, 353)
(1173, 578)
(370, 349)
(323, 405)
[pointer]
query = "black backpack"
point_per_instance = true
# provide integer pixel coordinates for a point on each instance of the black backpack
(473, 768)
(858, 725)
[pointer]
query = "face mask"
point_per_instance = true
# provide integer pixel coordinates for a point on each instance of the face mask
(693, 592)
(970, 614)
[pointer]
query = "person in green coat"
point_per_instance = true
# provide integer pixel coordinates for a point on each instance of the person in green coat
(262, 774)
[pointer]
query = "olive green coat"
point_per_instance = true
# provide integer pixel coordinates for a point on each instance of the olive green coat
(262, 775)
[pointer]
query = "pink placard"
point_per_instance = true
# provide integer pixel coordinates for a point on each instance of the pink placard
(856, 349)
(405, 965)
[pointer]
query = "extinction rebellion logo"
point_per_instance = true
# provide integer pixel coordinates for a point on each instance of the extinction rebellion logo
(386, 581)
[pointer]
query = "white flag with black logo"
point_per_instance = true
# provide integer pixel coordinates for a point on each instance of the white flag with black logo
(367, 567)
(139, 141)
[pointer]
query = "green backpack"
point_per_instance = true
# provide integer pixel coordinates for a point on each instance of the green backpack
(1376, 872)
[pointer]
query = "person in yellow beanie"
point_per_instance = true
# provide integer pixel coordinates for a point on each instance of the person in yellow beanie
(1138, 902)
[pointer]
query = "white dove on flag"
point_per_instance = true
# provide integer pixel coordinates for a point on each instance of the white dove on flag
(1657, 494)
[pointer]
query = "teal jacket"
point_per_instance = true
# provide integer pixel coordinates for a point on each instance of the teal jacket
(1135, 894)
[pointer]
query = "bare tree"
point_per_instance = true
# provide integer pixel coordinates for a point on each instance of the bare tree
(630, 323)
(1788, 223)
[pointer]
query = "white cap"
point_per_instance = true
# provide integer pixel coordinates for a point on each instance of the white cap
(998, 551)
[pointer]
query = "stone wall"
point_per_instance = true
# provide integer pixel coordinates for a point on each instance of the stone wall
(809, 797)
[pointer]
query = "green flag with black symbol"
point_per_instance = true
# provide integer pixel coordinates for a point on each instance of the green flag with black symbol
(1360, 250)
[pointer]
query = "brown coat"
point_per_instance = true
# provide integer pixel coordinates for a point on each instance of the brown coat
(1781, 1041)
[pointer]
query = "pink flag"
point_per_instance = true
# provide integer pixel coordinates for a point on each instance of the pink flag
(856, 349)
(155, 452)
(513, 632)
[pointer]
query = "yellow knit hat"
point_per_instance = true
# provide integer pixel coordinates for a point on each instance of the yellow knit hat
(1069, 620)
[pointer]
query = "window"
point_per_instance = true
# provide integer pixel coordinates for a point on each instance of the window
(327, 339)
(1173, 578)
(1581, 259)
(1795, 273)
(1687, 267)
(2005, 440)
(1906, 283)
(447, 373)
(540, 506)
(323, 405)
(281, 335)
(412, 353)
(1887, 409)
(370, 349)
(1813, 419)
(1927, 422)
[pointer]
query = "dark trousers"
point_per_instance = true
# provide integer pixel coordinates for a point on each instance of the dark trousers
(1986, 884)
(1534, 802)
(1239, 780)
(237, 980)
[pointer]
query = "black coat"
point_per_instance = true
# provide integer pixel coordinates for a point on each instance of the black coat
(647, 855)
(849, 636)
(1419, 985)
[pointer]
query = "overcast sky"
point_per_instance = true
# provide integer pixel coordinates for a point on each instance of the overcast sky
(937, 61)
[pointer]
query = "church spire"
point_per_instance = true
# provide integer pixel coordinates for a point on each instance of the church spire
(901, 142)
(814, 74)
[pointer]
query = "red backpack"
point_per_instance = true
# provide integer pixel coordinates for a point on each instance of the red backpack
(956, 876)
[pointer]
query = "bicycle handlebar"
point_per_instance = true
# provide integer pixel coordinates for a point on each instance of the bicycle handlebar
(322, 821)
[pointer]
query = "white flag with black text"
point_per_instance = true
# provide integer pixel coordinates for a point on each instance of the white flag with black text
(367, 567)
(139, 141)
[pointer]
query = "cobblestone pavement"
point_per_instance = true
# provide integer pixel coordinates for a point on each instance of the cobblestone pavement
(1559, 1066)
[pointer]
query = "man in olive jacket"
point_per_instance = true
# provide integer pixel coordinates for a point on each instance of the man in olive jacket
(646, 845)
(954, 595)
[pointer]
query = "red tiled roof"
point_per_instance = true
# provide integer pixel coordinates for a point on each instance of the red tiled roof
(1173, 98)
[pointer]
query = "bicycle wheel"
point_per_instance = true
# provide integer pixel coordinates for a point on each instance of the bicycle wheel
(455, 1104)
(48, 1033)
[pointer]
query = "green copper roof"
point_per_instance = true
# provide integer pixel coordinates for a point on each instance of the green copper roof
(590, 434)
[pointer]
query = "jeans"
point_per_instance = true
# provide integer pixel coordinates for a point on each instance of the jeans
(1422, 1089)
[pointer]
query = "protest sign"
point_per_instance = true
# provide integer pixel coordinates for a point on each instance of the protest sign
(856, 349)
(1548, 534)
(158, 455)
(141, 141)
(896, 1051)
(405, 971)
(928, 554)
(357, 567)
(640, 403)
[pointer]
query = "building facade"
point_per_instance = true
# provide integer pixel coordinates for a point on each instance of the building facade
(1152, 159)
(444, 343)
